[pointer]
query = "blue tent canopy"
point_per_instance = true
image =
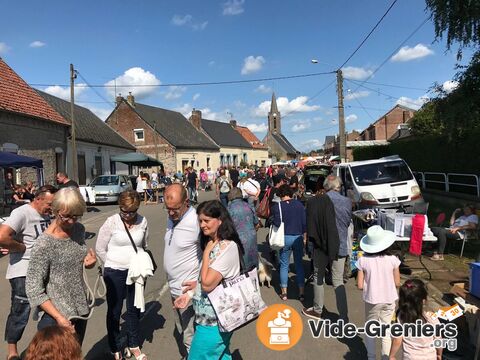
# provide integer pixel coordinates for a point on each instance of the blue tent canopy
(17, 161)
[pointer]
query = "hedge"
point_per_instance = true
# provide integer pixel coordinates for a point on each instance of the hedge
(430, 153)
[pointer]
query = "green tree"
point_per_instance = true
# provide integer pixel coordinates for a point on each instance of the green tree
(424, 122)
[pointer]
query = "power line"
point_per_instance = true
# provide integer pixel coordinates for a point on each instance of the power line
(368, 35)
(394, 51)
(95, 90)
(389, 85)
(359, 103)
(208, 83)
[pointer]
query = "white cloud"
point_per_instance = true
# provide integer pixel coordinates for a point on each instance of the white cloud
(351, 118)
(207, 113)
(196, 96)
(449, 85)
(356, 73)
(179, 20)
(334, 121)
(101, 113)
(64, 92)
(302, 125)
(412, 103)
(239, 104)
(407, 53)
(298, 104)
(252, 64)
(312, 144)
(37, 44)
(263, 89)
(233, 7)
(4, 48)
(257, 128)
(211, 63)
(175, 92)
(356, 95)
(134, 76)
(187, 20)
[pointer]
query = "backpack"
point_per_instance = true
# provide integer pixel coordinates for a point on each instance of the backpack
(224, 186)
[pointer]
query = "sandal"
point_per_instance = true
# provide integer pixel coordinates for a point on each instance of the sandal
(283, 297)
(437, 257)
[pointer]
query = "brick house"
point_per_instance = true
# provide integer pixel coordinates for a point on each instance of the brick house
(30, 126)
(163, 134)
(387, 124)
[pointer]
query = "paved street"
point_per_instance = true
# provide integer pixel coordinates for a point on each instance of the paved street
(157, 324)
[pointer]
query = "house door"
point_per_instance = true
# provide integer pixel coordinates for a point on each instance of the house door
(82, 170)
(184, 165)
(98, 165)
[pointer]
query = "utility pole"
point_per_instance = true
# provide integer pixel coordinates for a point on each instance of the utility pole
(341, 117)
(73, 76)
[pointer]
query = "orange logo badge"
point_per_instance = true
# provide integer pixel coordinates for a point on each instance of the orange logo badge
(279, 327)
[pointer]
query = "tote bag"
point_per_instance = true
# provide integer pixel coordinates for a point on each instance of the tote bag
(276, 237)
(238, 300)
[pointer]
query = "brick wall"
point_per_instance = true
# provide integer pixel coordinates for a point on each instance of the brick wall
(35, 138)
(124, 120)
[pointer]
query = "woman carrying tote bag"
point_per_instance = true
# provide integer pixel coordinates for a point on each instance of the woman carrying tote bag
(292, 214)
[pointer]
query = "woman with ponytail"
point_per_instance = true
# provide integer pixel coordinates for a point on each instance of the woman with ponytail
(413, 296)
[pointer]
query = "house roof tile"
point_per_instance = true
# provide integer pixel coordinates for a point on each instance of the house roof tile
(174, 127)
(250, 137)
(88, 127)
(224, 134)
(18, 97)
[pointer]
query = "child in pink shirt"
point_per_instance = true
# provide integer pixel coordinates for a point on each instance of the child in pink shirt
(378, 277)
(413, 295)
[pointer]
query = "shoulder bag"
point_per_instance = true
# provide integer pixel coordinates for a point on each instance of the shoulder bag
(276, 236)
(135, 247)
(263, 208)
(238, 300)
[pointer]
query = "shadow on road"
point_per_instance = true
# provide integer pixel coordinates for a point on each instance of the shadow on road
(150, 321)
(93, 209)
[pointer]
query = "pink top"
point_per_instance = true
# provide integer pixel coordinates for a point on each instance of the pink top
(420, 348)
(379, 284)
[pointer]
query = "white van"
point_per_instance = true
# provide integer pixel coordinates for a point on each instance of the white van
(387, 182)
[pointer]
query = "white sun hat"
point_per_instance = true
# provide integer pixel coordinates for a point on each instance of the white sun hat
(377, 239)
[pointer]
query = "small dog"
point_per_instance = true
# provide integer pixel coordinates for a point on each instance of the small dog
(264, 271)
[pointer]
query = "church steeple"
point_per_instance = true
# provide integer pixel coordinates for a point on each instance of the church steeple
(274, 125)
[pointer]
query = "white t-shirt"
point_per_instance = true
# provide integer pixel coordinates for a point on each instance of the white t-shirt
(113, 244)
(182, 252)
(463, 221)
(28, 224)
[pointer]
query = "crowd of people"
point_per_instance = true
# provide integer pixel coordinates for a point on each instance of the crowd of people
(202, 247)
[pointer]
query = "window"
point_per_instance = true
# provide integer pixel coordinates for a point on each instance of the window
(139, 135)
(381, 173)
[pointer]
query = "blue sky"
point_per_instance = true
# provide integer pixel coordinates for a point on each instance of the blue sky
(173, 42)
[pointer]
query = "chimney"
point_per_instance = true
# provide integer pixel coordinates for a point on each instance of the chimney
(233, 123)
(118, 99)
(196, 119)
(131, 99)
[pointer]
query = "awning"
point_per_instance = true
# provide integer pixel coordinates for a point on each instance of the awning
(17, 161)
(136, 159)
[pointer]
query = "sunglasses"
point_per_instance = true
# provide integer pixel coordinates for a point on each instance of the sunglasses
(69, 217)
(128, 213)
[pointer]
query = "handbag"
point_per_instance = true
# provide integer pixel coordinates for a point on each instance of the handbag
(238, 300)
(135, 248)
(263, 208)
(276, 236)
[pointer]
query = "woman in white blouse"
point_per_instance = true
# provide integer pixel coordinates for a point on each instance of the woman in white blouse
(115, 249)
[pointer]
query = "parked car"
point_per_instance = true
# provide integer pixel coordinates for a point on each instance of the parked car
(312, 180)
(387, 182)
(108, 187)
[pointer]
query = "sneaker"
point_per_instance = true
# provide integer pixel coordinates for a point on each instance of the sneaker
(311, 313)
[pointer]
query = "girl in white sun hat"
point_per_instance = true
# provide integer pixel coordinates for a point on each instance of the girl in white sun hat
(378, 277)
